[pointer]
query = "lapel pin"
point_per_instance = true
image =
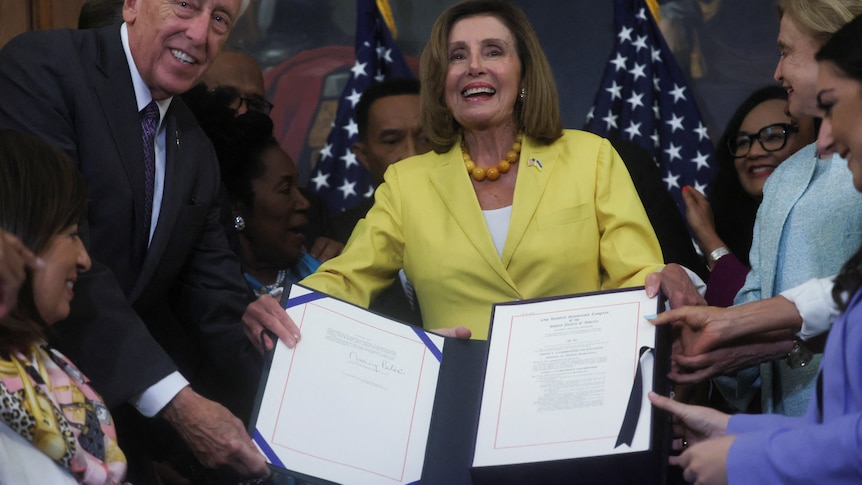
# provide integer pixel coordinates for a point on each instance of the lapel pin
(534, 162)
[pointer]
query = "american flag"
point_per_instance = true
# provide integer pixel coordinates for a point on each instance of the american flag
(338, 177)
(644, 98)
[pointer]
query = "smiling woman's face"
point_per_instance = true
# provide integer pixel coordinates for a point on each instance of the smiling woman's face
(484, 73)
(754, 168)
(64, 257)
(840, 101)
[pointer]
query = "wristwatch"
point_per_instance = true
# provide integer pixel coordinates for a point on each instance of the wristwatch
(800, 355)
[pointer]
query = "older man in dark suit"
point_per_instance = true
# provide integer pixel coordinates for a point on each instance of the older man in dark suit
(165, 293)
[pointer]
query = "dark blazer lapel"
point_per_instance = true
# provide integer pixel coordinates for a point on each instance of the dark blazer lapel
(529, 188)
(114, 90)
(453, 187)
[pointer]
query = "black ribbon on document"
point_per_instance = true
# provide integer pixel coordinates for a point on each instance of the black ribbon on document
(633, 410)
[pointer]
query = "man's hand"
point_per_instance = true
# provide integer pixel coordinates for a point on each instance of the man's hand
(676, 285)
(457, 332)
(325, 249)
(266, 313)
(216, 437)
(14, 259)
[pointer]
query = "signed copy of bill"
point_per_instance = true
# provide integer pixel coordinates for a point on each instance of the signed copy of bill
(352, 402)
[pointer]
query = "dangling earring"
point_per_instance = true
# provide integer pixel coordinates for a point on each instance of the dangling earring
(522, 94)
(239, 223)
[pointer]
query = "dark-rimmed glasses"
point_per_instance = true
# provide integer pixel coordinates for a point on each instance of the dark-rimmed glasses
(255, 102)
(772, 138)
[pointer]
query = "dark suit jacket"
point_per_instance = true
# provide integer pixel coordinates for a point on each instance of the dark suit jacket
(131, 323)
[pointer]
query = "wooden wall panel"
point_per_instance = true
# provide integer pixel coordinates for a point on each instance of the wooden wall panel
(14, 18)
(17, 16)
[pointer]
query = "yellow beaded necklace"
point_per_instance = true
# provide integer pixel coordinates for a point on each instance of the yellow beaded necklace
(492, 173)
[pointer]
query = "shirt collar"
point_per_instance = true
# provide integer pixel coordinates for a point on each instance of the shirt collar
(142, 91)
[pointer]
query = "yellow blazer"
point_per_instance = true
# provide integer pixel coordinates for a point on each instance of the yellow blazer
(577, 225)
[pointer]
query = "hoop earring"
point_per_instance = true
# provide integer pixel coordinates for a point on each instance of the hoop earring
(239, 223)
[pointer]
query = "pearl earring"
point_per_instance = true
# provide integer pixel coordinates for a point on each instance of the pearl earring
(522, 94)
(239, 223)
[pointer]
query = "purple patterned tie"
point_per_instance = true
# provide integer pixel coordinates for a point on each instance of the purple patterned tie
(149, 123)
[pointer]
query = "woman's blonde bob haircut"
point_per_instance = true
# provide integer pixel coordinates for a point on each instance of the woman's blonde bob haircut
(537, 116)
(820, 18)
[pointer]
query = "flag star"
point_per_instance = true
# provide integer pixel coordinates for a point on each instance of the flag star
(369, 193)
(641, 14)
(656, 140)
(615, 90)
(638, 71)
(380, 51)
(678, 93)
(655, 53)
(625, 34)
(620, 61)
(326, 152)
(633, 130)
(640, 42)
(347, 188)
(348, 158)
(353, 98)
(379, 77)
(387, 56)
(591, 114)
(610, 120)
(352, 128)
(701, 132)
(358, 69)
(321, 180)
(656, 110)
(635, 100)
(700, 187)
(675, 123)
(702, 160)
(671, 180)
(656, 83)
(673, 152)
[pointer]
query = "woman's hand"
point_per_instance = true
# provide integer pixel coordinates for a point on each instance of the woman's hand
(14, 259)
(692, 424)
(698, 214)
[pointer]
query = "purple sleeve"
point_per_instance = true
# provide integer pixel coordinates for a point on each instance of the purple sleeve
(725, 280)
(803, 453)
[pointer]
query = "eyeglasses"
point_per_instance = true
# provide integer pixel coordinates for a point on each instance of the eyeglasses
(772, 138)
(255, 102)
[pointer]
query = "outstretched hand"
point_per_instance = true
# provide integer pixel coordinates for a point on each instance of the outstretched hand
(216, 437)
(701, 434)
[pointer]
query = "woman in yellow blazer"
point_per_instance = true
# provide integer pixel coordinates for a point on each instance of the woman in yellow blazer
(508, 206)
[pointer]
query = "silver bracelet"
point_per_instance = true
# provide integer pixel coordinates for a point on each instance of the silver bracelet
(718, 253)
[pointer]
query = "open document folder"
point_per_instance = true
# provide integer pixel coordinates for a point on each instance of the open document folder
(557, 394)
(352, 402)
